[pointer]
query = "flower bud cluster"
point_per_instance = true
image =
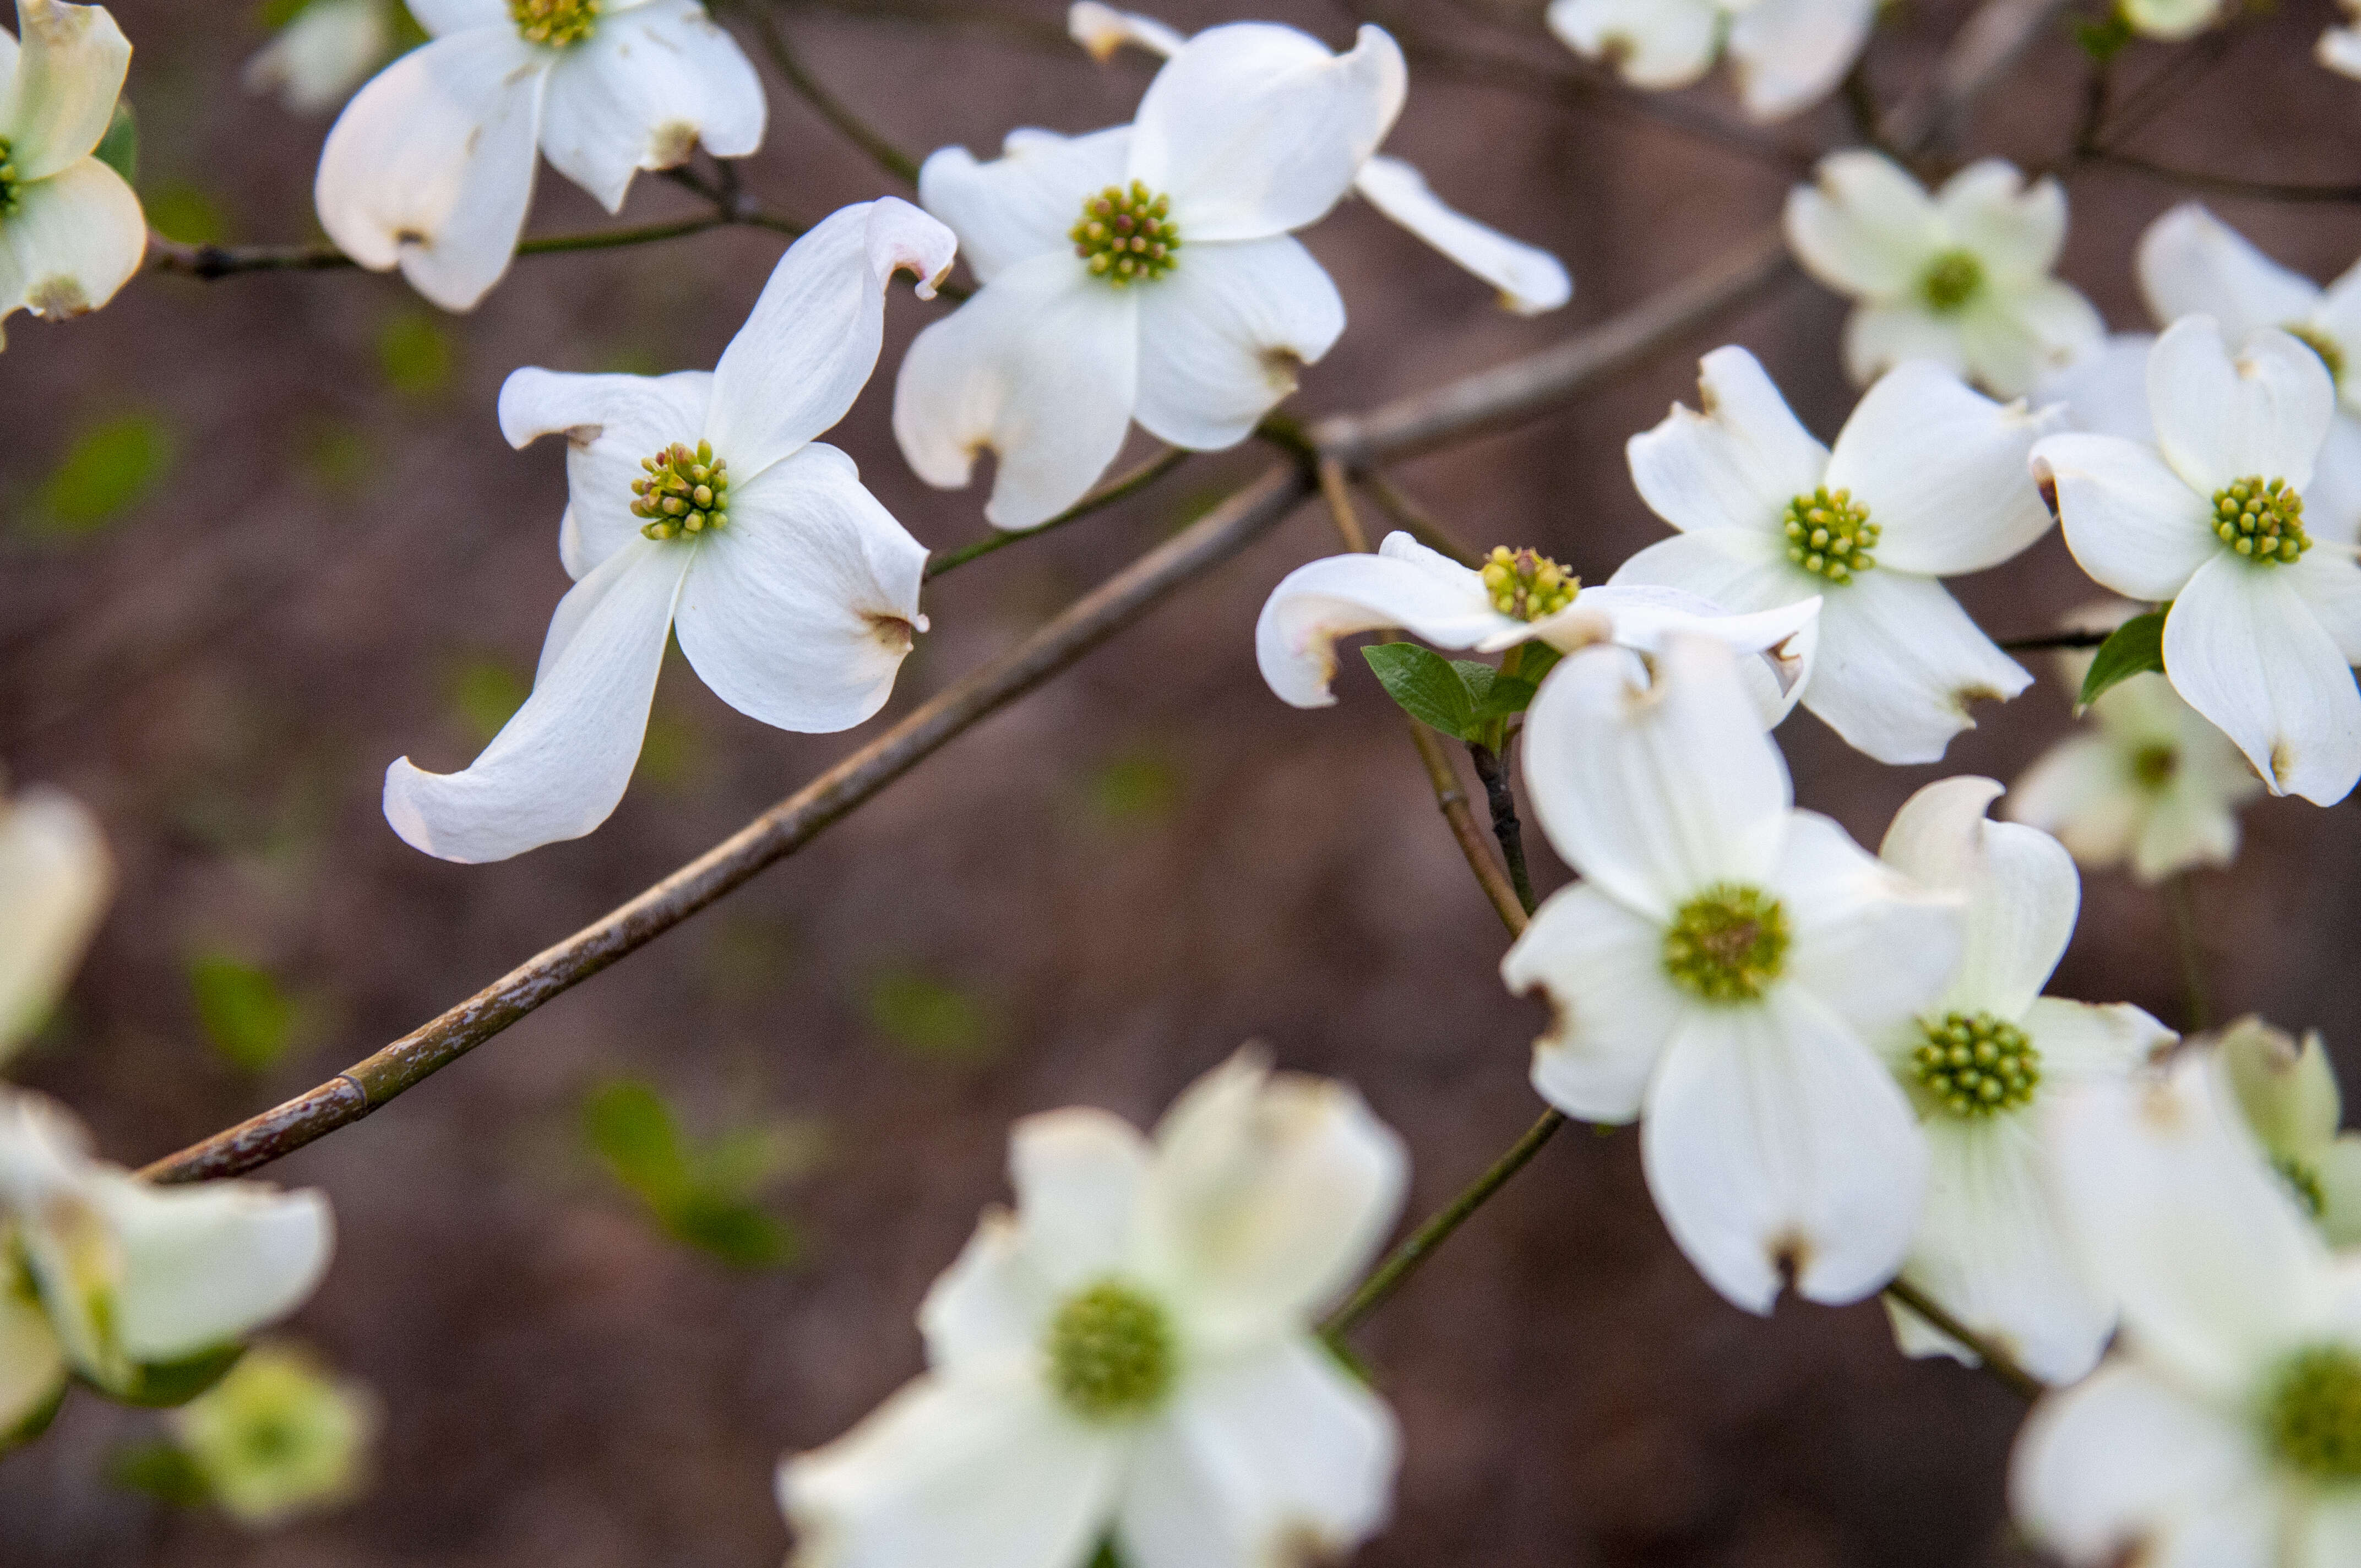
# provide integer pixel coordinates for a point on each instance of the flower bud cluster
(553, 23)
(685, 493)
(1126, 234)
(1977, 1065)
(2261, 518)
(1526, 585)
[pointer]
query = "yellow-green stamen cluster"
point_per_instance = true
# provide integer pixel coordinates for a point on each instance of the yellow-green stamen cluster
(2313, 1416)
(1830, 535)
(1727, 943)
(1952, 280)
(12, 190)
(1527, 585)
(2154, 764)
(1977, 1065)
(2304, 1181)
(2320, 342)
(554, 24)
(1127, 236)
(685, 492)
(2261, 518)
(1111, 1353)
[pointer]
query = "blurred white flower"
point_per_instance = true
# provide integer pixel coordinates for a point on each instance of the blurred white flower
(326, 50)
(2340, 47)
(2172, 20)
(1518, 596)
(279, 1436)
(2287, 1091)
(1927, 479)
(1787, 54)
(55, 876)
(431, 167)
(1720, 972)
(2103, 388)
(2262, 628)
(125, 1284)
(1143, 273)
(1982, 1064)
(2226, 1428)
(1962, 277)
(71, 231)
(701, 503)
(1130, 1354)
(1530, 280)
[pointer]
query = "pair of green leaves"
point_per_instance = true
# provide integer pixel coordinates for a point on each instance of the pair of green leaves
(704, 1193)
(2135, 648)
(1466, 700)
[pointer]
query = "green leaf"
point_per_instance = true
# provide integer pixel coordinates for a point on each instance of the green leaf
(415, 353)
(160, 1385)
(702, 1197)
(119, 147)
(2133, 648)
(739, 1233)
(162, 1470)
(634, 1131)
(1494, 696)
(249, 1020)
(1429, 688)
(184, 212)
(923, 1014)
(110, 468)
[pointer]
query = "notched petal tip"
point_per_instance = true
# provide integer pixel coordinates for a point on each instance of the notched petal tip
(57, 299)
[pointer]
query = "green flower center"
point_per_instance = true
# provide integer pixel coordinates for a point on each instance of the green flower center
(1111, 1353)
(685, 492)
(1727, 943)
(1830, 535)
(1127, 236)
(2320, 342)
(2155, 763)
(2312, 1415)
(1977, 1065)
(554, 24)
(2261, 518)
(12, 190)
(1527, 585)
(2304, 1181)
(1951, 282)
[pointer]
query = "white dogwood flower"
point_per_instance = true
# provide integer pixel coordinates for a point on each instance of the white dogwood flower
(431, 165)
(327, 49)
(1517, 597)
(1720, 972)
(2263, 627)
(2340, 47)
(1531, 281)
(701, 503)
(1962, 277)
(71, 231)
(2226, 1429)
(1927, 479)
(1787, 54)
(130, 1285)
(1143, 273)
(1130, 1356)
(1982, 1064)
(55, 876)
(2288, 1091)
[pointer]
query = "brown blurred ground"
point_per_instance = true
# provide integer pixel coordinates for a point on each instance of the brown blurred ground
(1126, 875)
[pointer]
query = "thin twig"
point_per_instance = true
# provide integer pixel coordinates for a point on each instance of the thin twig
(1492, 769)
(2229, 184)
(213, 261)
(1421, 524)
(2050, 642)
(830, 107)
(1105, 496)
(1992, 1357)
(2196, 996)
(1339, 497)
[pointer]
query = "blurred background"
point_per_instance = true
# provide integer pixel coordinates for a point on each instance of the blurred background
(260, 536)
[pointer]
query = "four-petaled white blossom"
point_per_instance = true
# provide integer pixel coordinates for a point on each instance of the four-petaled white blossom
(124, 1284)
(701, 503)
(1530, 280)
(2288, 1091)
(2263, 627)
(431, 165)
(1787, 54)
(327, 49)
(1983, 1063)
(1962, 277)
(55, 875)
(1927, 479)
(1130, 1355)
(1145, 272)
(1720, 972)
(2226, 1429)
(71, 230)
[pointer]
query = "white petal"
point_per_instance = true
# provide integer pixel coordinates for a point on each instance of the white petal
(647, 86)
(980, 1470)
(1655, 44)
(2171, 19)
(2011, 339)
(314, 61)
(2337, 317)
(70, 62)
(1656, 792)
(611, 425)
(2329, 583)
(208, 1264)
(1222, 335)
(441, 16)
(2328, 1535)
(1742, 569)
(1734, 466)
(2332, 506)
(1253, 129)
(1267, 1458)
(1774, 1143)
(2191, 263)
(2286, 1089)
(2263, 414)
(32, 1364)
(1942, 469)
(1024, 202)
(2080, 791)
(990, 1306)
(1877, 338)
(1102, 30)
(812, 340)
(1650, 620)
(1790, 54)
(1899, 662)
(1041, 367)
(1613, 1008)
(2105, 389)
(2132, 524)
(2242, 648)
(1530, 280)
(55, 878)
(2015, 229)
(801, 611)
(1078, 1176)
(556, 769)
(73, 240)
(431, 165)
(1404, 584)
(1873, 947)
(2021, 889)
(2340, 50)
(2082, 1042)
(1863, 227)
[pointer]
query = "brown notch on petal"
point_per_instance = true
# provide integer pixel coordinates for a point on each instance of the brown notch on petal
(1791, 1254)
(57, 299)
(897, 634)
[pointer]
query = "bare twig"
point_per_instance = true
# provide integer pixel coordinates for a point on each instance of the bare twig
(1492, 768)
(2229, 184)
(830, 107)
(1990, 1357)
(2051, 642)
(1105, 496)
(213, 261)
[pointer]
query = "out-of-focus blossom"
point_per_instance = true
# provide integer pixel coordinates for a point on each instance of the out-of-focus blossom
(1130, 1357)
(327, 49)
(55, 875)
(1982, 1064)
(1927, 479)
(2340, 47)
(1720, 972)
(431, 165)
(1962, 277)
(2287, 1091)
(71, 230)
(279, 1436)
(2262, 628)
(2103, 388)
(1787, 54)
(701, 503)
(2227, 1427)
(2170, 20)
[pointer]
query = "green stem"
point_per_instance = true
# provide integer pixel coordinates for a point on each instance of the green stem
(1139, 479)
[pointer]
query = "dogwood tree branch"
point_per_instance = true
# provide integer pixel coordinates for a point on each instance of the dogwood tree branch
(827, 105)
(1499, 794)
(1105, 496)
(213, 261)
(1990, 1357)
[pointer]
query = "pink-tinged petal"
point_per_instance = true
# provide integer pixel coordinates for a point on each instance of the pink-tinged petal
(1222, 335)
(1025, 203)
(1613, 1007)
(2242, 648)
(644, 91)
(2132, 523)
(1734, 466)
